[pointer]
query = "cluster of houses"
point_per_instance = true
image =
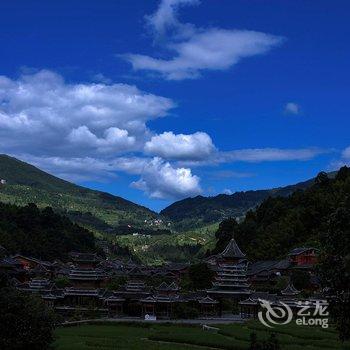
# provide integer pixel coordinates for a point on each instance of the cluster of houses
(84, 284)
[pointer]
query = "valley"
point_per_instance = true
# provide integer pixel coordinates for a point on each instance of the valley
(182, 232)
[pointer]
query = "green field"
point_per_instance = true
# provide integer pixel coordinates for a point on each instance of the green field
(173, 337)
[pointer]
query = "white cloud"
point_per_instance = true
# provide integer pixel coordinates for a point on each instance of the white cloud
(41, 113)
(343, 161)
(101, 78)
(270, 154)
(165, 17)
(346, 153)
(86, 168)
(257, 155)
(94, 131)
(292, 108)
(227, 191)
(227, 174)
(160, 180)
(213, 49)
(114, 139)
(197, 49)
(170, 146)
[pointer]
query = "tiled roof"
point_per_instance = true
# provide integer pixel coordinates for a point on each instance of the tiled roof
(38, 261)
(290, 290)
(232, 250)
(267, 265)
(208, 300)
(300, 250)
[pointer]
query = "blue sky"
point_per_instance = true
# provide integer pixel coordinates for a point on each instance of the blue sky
(158, 100)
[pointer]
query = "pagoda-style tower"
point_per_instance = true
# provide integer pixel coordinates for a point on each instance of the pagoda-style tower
(231, 274)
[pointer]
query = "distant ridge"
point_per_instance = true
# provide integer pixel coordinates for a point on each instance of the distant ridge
(96, 210)
(200, 211)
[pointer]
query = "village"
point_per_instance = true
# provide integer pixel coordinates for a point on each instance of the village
(83, 288)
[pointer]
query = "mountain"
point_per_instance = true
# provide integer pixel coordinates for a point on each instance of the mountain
(96, 210)
(200, 211)
(315, 217)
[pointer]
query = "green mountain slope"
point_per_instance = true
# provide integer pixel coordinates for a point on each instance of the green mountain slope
(300, 220)
(200, 211)
(94, 209)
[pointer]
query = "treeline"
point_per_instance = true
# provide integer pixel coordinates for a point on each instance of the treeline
(280, 224)
(41, 233)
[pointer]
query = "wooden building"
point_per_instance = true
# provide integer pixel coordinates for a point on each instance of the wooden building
(231, 274)
(304, 258)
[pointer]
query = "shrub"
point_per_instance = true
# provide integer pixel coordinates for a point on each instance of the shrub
(186, 312)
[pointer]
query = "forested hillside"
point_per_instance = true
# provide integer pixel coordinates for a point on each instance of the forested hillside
(200, 211)
(93, 209)
(41, 233)
(280, 224)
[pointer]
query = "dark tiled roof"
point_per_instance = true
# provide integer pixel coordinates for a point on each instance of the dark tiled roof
(83, 292)
(232, 250)
(290, 290)
(138, 271)
(283, 264)
(148, 299)
(163, 286)
(8, 261)
(37, 261)
(207, 300)
(167, 287)
(300, 250)
(175, 266)
(84, 257)
(260, 267)
(173, 286)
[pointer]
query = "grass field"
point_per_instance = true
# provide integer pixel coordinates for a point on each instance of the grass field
(175, 337)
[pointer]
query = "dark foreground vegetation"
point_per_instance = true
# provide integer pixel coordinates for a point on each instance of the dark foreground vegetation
(25, 321)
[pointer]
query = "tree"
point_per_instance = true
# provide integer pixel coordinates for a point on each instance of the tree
(62, 282)
(116, 282)
(41, 233)
(224, 233)
(322, 179)
(25, 322)
(200, 276)
(300, 279)
(343, 174)
(335, 267)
